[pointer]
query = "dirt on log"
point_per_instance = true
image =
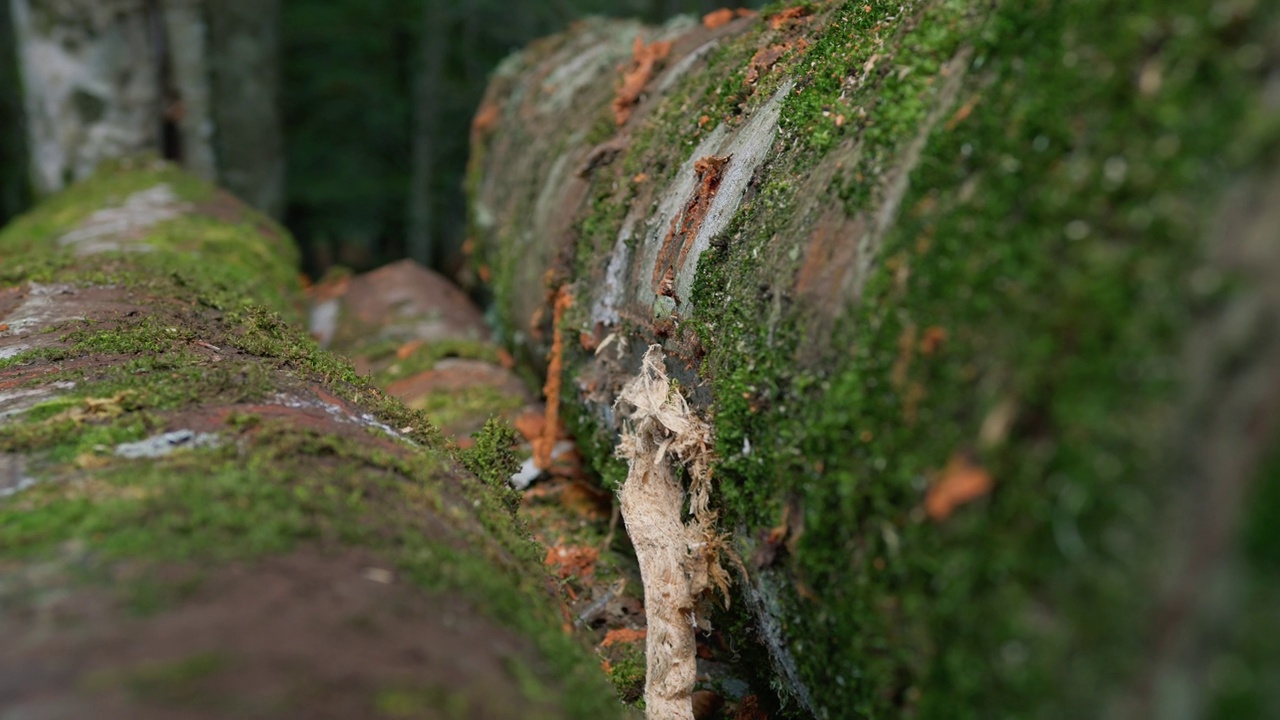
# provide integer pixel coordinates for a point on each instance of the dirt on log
(204, 515)
(982, 300)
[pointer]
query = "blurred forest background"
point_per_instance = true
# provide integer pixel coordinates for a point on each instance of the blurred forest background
(374, 99)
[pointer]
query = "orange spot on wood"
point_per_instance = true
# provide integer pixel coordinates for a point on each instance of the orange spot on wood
(551, 389)
(708, 171)
(530, 424)
(4, 327)
(961, 482)
(486, 117)
(962, 113)
(717, 18)
(637, 74)
(640, 178)
(330, 289)
(622, 635)
(572, 560)
(407, 349)
(931, 339)
(763, 60)
(779, 20)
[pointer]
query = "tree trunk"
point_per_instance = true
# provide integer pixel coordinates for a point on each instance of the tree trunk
(187, 50)
(423, 226)
(91, 85)
(244, 47)
(202, 513)
(15, 177)
(102, 80)
(981, 301)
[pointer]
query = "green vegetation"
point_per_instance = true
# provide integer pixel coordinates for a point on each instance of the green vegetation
(1051, 296)
(1027, 307)
(211, 351)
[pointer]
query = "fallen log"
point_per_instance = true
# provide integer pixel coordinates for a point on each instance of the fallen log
(202, 514)
(980, 302)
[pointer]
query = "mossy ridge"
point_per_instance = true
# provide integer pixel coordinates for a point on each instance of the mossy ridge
(215, 246)
(1077, 324)
(28, 235)
(249, 497)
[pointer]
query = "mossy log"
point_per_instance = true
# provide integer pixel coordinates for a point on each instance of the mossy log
(203, 514)
(982, 300)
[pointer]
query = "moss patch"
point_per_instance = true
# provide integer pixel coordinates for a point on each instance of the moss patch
(307, 452)
(1042, 241)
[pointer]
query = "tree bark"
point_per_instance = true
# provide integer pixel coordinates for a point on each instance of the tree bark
(423, 225)
(244, 48)
(187, 45)
(102, 79)
(91, 85)
(954, 283)
(203, 513)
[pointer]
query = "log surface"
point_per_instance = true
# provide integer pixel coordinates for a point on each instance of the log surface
(204, 515)
(959, 285)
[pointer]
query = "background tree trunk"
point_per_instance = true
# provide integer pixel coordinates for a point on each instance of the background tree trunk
(92, 85)
(105, 80)
(15, 177)
(244, 63)
(428, 86)
(981, 300)
(187, 49)
(201, 512)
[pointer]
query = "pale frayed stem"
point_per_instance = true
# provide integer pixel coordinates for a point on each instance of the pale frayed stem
(679, 560)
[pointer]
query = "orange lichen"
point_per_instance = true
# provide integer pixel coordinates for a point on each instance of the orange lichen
(716, 18)
(551, 389)
(637, 74)
(962, 113)
(572, 561)
(931, 339)
(708, 171)
(763, 60)
(530, 424)
(329, 288)
(486, 117)
(407, 349)
(779, 20)
(622, 635)
(962, 481)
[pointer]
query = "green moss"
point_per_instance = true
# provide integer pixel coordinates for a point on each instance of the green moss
(27, 237)
(1041, 237)
(413, 702)
(176, 683)
(627, 675)
(424, 357)
(216, 335)
(493, 460)
(1240, 678)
